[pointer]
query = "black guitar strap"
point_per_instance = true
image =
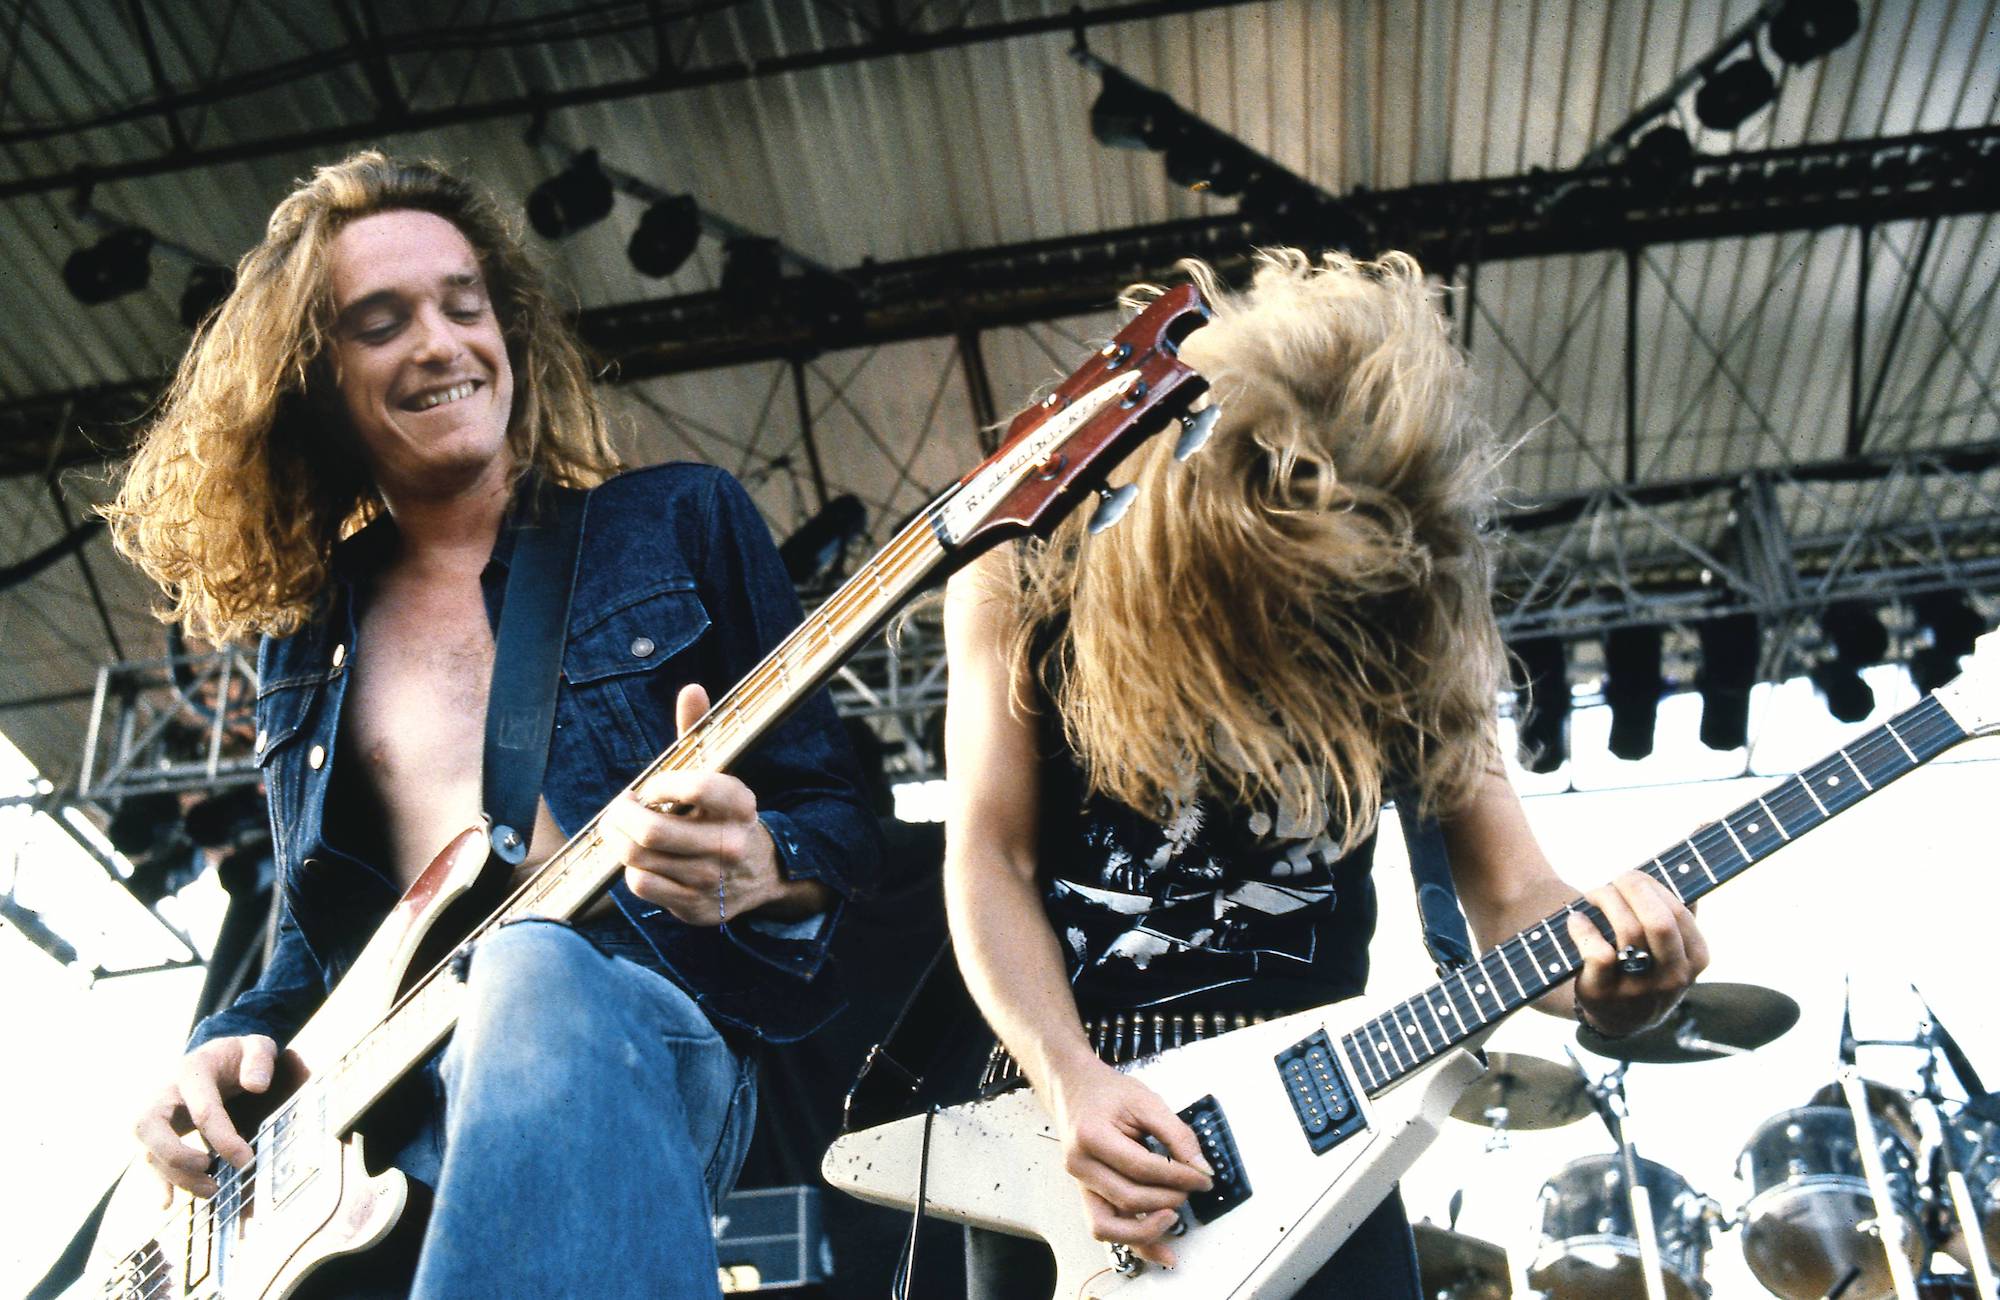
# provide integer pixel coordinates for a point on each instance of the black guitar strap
(527, 658)
(1445, 934)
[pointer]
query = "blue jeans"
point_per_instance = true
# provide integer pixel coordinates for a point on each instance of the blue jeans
(590, 1119)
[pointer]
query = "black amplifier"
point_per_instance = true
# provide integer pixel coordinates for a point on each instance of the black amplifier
(770, 1239)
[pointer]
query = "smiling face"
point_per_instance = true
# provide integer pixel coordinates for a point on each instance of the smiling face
(420, 361)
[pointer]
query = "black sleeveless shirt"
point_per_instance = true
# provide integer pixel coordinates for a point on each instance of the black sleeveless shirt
(1222, 908)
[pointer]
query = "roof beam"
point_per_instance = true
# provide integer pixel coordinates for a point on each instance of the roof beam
(1459, 223)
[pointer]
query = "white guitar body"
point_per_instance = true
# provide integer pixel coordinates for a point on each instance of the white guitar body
(999, 1164)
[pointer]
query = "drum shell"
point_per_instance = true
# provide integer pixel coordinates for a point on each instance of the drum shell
(1589, 1250)
(1809, 1197)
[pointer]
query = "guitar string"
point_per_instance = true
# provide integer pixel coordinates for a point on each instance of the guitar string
(905, 552)
(1927, 723)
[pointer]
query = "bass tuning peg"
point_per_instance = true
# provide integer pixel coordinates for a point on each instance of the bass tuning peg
(1111, 506)
(1196, 429)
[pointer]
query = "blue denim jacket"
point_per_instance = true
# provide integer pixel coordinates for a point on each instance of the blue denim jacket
(677, 582)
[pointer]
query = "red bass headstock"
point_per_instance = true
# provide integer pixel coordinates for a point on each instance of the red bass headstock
(1062, 448)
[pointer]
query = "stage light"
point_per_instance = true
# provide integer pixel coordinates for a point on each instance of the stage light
(1848, 698)
(579, 195)
(831, 304)
(1733, 92)
(1127, 115)
(1542, 702)
(1660, 162)
(1856, 634)
(752, 273)
(1632, 687)
(207, 286)
(813, 553)
(1806, 29)
(118, 264)
(1729, 648)
(1205, 159)
(1953, 624)
(666, 237)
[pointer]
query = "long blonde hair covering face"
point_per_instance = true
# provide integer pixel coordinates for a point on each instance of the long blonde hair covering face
(1308, 595)
(249, 473)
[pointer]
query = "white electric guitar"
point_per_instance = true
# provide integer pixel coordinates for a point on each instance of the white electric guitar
(308, 1197)
(1309, 1120)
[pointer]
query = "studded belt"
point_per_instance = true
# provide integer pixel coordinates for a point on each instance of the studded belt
(1129, 1035)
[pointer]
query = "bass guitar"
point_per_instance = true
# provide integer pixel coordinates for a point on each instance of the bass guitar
(1309, 1120)
(307, 1197)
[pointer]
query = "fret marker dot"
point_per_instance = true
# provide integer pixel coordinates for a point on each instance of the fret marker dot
(1536, 935)
(1478, 988)
(1554, 967)
(1684, 868)
(1752, 828)
(1410, 1028)
(1833, 780)
(1384, 1044)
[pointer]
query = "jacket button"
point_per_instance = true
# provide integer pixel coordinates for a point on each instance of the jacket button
(317, 758)
(642, 646)
(263, 739)
(339, 655)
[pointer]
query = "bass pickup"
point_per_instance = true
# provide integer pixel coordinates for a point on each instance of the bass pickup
(1321, 1097)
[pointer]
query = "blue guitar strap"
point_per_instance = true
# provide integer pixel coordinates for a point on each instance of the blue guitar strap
(1445, 933)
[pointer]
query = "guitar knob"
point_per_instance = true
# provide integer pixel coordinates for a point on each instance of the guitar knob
(1112, 505)
(1196, 429)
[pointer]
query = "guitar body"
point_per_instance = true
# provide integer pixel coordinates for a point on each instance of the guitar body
(998, 1164)
(313, 1201)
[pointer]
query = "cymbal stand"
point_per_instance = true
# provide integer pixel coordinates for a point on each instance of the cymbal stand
(1608, 1095)
(1930, 1121)
(1889, 1226)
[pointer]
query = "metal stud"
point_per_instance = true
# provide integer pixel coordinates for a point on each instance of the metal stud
(317, 758)
(339, 655)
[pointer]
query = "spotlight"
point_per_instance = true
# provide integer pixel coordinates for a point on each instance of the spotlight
(1733, 92)
(1855, 633)
(815, 551)
(1806, 29)
(666, 236)
(1632, 687)
(579, 195)
(1127, 115)
(1659, 163)
(207, 286)
(1542, 703)
(1729, 647)
(1848, 698)
(752, 273)
(118, 264)
(1203, 158)
(830, 304)
(1954, 624)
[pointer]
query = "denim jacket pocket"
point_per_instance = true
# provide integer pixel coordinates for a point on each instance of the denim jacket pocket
(616, 657)
(281, 714)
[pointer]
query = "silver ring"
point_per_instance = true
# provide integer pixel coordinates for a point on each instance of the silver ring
(1634, 961)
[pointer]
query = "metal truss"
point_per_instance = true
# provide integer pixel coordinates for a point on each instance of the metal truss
(155, 727)
(1455, 224)
(692, 45)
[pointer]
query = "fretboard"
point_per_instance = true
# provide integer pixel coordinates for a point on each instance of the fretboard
(1416, 1031)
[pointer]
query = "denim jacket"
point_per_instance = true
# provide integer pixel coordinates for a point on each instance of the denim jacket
(677, 582)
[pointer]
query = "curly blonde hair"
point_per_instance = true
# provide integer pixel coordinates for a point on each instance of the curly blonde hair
(1311, 593)
(236, 495)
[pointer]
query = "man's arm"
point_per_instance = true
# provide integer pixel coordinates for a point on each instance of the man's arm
(1009, 955)
(1506, 885)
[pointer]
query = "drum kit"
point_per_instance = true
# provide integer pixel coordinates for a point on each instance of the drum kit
(1858, 1194)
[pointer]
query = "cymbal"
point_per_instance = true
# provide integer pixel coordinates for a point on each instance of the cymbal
(1458, 1267)
(1535, 1094)
(1713, 1021)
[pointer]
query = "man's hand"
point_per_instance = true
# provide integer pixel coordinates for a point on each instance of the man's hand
(1130, 1192)
(208, 1076)
(708, 860)
(1647, 916)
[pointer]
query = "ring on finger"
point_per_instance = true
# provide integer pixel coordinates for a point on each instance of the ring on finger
(1634, 960)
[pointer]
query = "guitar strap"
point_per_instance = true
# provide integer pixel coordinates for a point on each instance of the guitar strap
(1445, 934)
(527, 658)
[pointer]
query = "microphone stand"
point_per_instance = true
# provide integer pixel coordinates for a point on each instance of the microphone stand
(1608, 1096)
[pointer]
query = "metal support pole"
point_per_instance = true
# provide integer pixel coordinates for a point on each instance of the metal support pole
(806, 431)
(1632, 365)
(1913, 274)
(1857, 426)
(1471, 303)
(979, 390)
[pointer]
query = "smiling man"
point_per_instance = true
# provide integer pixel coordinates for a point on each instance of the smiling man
(343, 468)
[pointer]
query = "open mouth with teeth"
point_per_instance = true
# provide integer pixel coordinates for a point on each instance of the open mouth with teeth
(440, 396)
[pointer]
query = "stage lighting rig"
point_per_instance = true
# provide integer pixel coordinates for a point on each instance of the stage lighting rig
(1128, 115)
(666, 236)
(1953, 624)
(578, 196)
(1732, 93)
(1858, 639)
(1805, 30)
(1541, 702)
(752, 273)
(1729, 647)
(118, 264)
(207, 286)
(1633, 684)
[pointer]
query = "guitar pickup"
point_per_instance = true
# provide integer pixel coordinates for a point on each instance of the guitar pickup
(1321, 1098)
(1218, 1147)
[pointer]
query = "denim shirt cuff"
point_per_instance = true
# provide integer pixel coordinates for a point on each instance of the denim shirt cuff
(229, 1024)
(796, 947)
